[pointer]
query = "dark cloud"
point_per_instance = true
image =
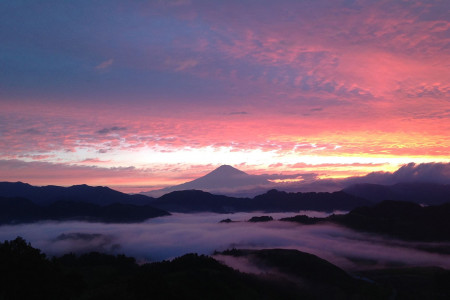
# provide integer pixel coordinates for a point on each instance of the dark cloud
(308, 176)
(31, 131)
(431, 172)
(426, 172)
(111, 129)
(238, 113)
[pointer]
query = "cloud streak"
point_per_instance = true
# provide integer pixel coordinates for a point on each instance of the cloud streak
(104, 65)
(111, 130)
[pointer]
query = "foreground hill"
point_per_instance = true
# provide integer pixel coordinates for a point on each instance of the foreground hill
(272, 201)
(21, 210)
(418, 192)
(27, 274)
(78, 193)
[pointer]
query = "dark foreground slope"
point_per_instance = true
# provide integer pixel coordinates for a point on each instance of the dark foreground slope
(45, 195)
(324, 280)
(25, 273)
(316, 276)
(21, 210)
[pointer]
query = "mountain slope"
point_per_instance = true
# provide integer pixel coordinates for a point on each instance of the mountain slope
(29, 274)
(275, 200)
(272, 201)
(199, 201)
(21, 210)
(222, 179)
(78, 193)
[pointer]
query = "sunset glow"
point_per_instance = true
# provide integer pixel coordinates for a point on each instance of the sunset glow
(138, 95)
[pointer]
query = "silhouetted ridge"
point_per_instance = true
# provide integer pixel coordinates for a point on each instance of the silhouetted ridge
(187, 200)
(302, 219)
(21, 210)
(198, 201)
(29, 274)
(296, 263)
(272, 201)
(258, 219)
(98, 195)
(282, 201)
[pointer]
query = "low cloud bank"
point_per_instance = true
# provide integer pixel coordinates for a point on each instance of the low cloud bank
(172, 236)
(426, 172)
(429, 172)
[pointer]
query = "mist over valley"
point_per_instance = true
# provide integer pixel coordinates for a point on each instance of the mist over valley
(172, 236)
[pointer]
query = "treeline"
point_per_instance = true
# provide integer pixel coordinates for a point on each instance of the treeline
(26, 273)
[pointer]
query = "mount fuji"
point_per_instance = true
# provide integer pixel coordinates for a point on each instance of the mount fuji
(223, 180)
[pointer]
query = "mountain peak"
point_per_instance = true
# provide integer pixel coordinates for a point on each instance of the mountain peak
(223, 179)
(226, 170)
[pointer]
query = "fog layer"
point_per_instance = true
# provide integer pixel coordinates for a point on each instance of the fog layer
(172, 236)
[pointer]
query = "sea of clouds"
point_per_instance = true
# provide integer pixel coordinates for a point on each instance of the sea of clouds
(171, 236)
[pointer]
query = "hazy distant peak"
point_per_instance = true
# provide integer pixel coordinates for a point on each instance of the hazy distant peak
(226, 170)
(224, 178)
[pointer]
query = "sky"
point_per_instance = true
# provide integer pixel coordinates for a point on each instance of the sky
(138, 95)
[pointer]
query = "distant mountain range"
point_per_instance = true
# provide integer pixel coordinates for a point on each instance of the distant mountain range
(190, 199)
(184, 201)
(272, 201)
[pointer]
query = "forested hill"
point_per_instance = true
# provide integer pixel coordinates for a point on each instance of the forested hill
(21, 210)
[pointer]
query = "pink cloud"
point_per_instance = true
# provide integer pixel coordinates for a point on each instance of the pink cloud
(104, 65)
(368, 79)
